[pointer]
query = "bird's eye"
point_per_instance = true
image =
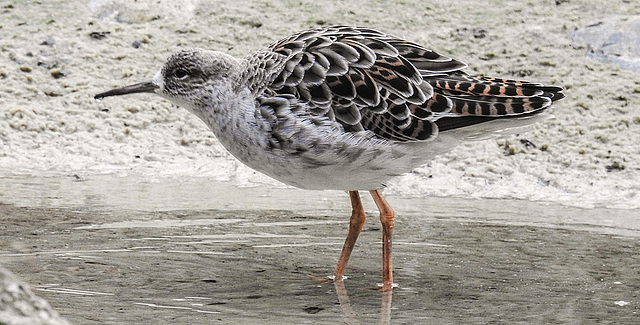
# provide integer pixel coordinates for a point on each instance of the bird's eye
(181, 74)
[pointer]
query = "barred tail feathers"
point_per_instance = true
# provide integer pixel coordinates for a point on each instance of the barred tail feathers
(481, 99)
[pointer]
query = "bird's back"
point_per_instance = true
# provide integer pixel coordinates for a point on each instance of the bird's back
(402, 92)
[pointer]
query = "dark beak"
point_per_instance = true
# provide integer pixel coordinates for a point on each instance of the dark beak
(143, 87)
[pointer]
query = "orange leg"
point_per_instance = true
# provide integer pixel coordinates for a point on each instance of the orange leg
(355, 226)
(386, 218)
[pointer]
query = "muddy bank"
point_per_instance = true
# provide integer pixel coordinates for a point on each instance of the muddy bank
(457, 261)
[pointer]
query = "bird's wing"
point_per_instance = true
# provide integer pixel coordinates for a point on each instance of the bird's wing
(367, 80)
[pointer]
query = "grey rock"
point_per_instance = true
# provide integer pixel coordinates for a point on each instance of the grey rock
(614, 40)
(19, 306)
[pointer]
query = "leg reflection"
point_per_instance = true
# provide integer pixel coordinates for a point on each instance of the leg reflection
(385, 308)
(349, 316)
(347, 312)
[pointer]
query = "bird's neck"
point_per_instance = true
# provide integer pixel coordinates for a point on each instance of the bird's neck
(230, 113)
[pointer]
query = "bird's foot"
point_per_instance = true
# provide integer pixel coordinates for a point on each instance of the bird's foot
(335, 278)
(386, 286)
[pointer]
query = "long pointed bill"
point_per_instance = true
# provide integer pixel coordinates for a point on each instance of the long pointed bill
(143, 87)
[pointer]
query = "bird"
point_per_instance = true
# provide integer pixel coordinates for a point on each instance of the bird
(343, 108)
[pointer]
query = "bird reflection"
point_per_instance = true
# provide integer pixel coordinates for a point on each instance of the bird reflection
(349, 315)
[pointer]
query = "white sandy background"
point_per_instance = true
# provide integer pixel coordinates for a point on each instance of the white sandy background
(55, 55)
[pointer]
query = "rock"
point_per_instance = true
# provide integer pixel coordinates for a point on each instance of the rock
(614, 40)
(19, 306)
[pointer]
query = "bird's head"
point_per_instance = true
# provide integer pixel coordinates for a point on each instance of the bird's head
(188, 76)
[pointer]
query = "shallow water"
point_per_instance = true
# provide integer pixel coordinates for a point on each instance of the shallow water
(115, 250)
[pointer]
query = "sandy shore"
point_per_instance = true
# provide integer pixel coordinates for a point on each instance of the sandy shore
(57, 54)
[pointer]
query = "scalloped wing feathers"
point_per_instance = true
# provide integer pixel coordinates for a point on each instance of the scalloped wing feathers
(368, 80)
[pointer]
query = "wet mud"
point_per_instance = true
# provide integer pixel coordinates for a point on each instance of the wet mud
(455, 261)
